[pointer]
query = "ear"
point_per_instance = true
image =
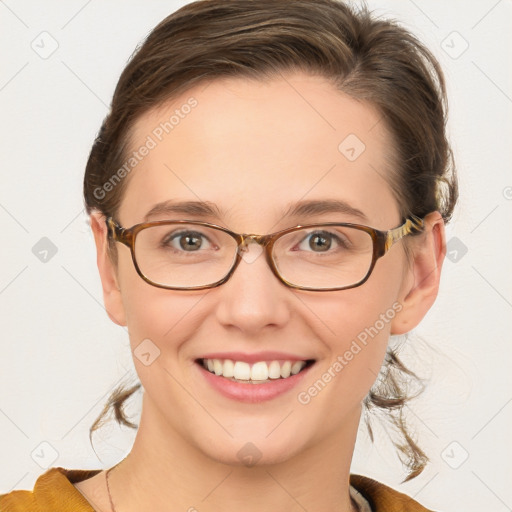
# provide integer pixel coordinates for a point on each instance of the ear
(109, 280)
(421, 280)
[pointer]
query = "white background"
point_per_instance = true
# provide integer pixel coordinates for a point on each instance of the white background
(60, 354)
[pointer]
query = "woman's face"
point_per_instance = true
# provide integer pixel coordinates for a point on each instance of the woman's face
(255, 150)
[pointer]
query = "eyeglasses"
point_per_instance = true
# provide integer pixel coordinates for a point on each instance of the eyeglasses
(193, 255)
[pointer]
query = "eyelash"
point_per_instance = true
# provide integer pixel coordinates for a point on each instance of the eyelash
(341, 243)
(175, 235)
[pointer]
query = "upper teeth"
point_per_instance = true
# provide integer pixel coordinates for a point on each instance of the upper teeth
(261, 370)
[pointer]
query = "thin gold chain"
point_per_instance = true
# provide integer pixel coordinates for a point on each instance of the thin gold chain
(113, 509)
(354, 504)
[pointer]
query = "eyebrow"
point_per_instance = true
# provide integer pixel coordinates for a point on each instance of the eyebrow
(309, 208)
(320, 207)
(195, 208)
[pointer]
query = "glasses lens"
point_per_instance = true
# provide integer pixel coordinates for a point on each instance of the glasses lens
(184, 255)
(324, 256)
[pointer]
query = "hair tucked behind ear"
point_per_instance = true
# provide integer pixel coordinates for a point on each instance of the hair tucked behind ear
(370, 59)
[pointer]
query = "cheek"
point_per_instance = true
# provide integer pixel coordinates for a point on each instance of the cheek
(159, 323)
(359, 327)
(355, 326)
(155, 313)
(161, 315)
(353, 313)
(355, 348)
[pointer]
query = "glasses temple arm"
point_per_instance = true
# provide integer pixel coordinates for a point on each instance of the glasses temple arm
(413, 224)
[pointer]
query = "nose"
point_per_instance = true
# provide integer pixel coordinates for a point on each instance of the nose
(253, 298)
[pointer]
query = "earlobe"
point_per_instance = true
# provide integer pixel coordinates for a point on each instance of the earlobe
(109, 281)
(422, 281)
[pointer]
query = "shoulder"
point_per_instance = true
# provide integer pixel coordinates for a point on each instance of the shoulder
(53, 490)
(383, 498)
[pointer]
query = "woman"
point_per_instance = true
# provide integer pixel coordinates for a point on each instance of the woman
(268, 198)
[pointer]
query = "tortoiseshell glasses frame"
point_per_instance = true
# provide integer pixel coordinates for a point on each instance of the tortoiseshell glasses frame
(382, 242)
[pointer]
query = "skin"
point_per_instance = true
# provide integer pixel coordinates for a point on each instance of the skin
(253, 148)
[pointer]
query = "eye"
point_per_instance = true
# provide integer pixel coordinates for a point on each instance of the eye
(187, 240)
(322, 241)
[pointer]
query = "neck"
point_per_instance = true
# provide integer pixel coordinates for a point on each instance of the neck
(164, 472)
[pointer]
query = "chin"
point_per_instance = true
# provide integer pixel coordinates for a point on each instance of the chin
(242, 452)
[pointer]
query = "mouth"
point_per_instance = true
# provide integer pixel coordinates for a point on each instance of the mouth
(259, 372)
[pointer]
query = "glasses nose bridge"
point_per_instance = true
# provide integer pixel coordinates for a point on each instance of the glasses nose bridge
(247, 238)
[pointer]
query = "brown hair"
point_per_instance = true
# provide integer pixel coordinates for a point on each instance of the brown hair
(367, 58)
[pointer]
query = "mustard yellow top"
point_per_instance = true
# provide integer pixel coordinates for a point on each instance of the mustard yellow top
(54, 492)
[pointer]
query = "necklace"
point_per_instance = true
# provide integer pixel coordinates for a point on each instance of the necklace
(108, 490)
(113, 509)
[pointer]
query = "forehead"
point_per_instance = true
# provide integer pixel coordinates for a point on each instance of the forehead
(253, 147)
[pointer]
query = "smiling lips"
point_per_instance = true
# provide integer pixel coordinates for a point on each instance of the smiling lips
(257, 373)
(272, 373)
